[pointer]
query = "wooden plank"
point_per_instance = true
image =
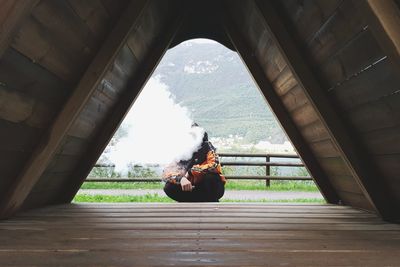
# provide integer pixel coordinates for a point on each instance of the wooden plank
(44, 188)
(12, 14)
(229, 257)
(84, 221)
(39, 198)
(73, 146)
(171, 211)
(367, 87)
(334, 166)
(145, 213)
(384, 21)
(89, 82)
(375, 115)
(82, 128)
(345, 24)
(390, 166)
(280, 111)
(18, 137)
(138, 239)
(116, 79)
(232, 226)
(309, 17)
(63, 163)
(151, 243)
(306, 236)
(325, 149)
(315, 132)
(148, 64)
(47, 51)
(284, 82)
(356, 158)
(20, 108)
(19, 73)
(295, 208)
(106, 95)
(383, 141)
(345, 183)
(94, 14)
(294, 98)
(9, 166)
(354, 199)
(64, 25)
(114, 9)
(305, 115)
(362, 53)
(273, 64)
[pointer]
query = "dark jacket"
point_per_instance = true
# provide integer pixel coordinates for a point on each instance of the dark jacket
(204, 160)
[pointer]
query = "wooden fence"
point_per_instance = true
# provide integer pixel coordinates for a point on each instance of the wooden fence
(267, 163)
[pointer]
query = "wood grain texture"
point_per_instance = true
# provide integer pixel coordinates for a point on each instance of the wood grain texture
(345, 23)
(360, 54)
(356, 59)
(20, 74)
(88, 84)
(369, 86)
(198, 234)
(311, 16)
(259, 69)
(163, 32)
(384, 19)
(315, 131)
(48, 51)
(8, 165)
(12, 15)
(94, 14)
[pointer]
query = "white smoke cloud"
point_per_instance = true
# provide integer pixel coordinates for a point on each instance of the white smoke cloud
(159, 130)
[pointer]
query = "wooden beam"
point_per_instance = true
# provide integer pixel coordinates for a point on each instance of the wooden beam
(12, 14)
(362, 167)
(384, 21)
(133, 89)
(46, 149)
(257, 72)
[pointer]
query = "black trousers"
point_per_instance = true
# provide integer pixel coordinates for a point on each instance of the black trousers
(211, 189)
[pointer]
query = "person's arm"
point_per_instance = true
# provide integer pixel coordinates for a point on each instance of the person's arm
(185, 183)
(173, 173)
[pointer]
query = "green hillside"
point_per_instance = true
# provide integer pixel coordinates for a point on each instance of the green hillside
(212, 82)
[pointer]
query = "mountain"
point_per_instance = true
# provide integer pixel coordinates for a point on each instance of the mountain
(214, 84)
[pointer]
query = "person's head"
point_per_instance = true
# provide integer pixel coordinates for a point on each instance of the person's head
(196, 129)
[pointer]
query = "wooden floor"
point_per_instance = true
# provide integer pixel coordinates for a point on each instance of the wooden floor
(198, 235)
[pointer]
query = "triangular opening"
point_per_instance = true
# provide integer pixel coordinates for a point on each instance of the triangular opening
(213, 85)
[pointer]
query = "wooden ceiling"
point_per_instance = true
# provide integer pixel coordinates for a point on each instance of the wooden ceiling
(70, 70)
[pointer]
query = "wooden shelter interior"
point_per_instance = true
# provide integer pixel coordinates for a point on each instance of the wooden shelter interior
(70, 70)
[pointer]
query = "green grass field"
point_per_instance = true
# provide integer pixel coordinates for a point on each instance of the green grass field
(82, 198)
(299, 186)
(294, 186)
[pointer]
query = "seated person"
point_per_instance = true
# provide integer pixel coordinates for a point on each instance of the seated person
(198, 179)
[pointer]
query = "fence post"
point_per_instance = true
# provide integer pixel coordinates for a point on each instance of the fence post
(267, 172)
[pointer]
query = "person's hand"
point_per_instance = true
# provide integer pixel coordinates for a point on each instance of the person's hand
(185, 184)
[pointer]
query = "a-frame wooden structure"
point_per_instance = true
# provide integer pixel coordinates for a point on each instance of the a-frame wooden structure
(70, 70)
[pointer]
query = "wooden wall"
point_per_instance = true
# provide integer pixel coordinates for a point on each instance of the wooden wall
(306, 118)
(36, 80)
(67, 170)
(42, 67)
(50, 48)
(357, 75)
(88, 123)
